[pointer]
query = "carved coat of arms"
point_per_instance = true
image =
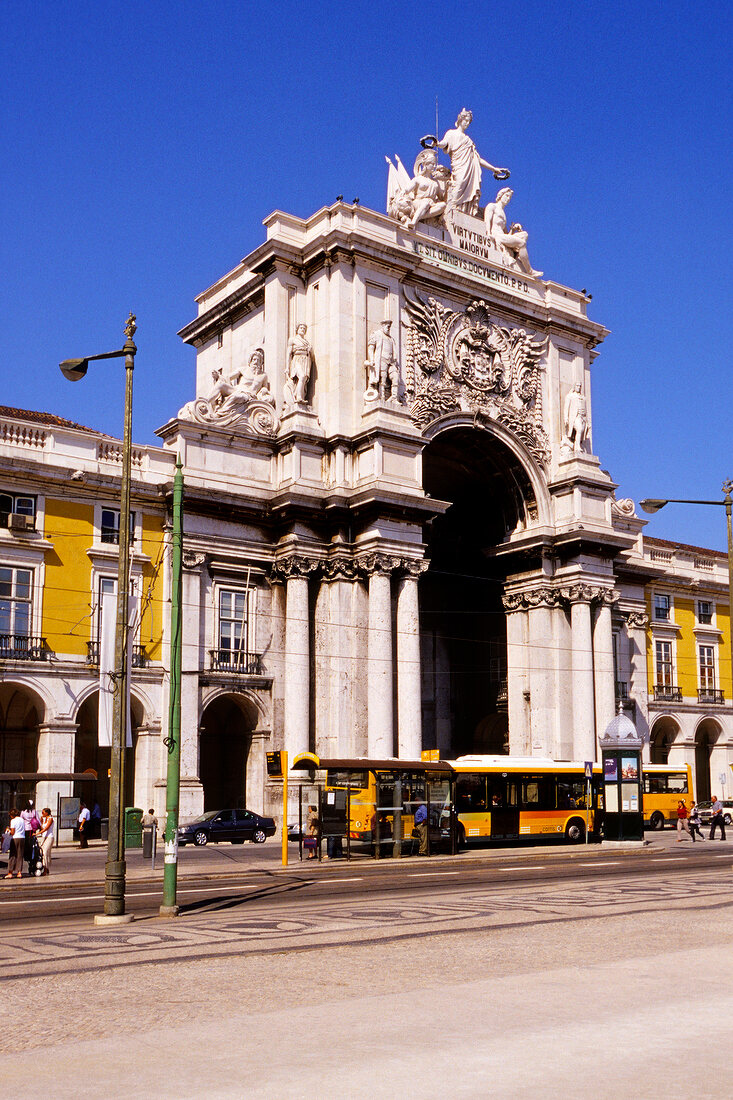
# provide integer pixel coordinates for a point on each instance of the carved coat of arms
(464, 361)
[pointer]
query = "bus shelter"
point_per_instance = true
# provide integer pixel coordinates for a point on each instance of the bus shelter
(379, 808)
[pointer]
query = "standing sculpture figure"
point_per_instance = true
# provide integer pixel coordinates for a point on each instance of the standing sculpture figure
(464, 189)
(514, 243)
(382, 372)
(575, 419)
(299, 360)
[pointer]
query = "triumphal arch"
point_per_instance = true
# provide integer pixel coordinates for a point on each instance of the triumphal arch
(391, 451)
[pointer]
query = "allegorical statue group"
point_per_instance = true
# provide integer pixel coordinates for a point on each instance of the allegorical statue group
(435, 193)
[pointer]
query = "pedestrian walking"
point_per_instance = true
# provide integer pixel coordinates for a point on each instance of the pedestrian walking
(84, 817)
(716, 821)
(15, 856)
(694, 820)
(45, 834)
(682, 822)
(95, 821)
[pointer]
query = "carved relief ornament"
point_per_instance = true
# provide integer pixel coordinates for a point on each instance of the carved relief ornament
(193, 559)
(637, 619)
(297, 565)
(464, 361)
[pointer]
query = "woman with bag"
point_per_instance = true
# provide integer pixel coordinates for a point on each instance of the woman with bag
(694, 820)
(44, 834)
(311, 837)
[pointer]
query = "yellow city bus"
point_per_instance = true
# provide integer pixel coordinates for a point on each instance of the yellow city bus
(664, 786)
(505, 798)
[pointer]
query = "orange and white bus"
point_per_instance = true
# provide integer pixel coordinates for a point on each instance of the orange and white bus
(664, 786)
(505, 797)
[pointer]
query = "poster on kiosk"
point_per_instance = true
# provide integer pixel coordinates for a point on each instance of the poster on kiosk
(623, 818)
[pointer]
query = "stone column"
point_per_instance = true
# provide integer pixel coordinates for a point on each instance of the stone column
(584, 733)
(518, 693)
(56, 745)
(193, 662)
(255, 793)
(379, 659)
(637, 623)
(604, 672)
(297, 662)
(409, 696)
(148, 767)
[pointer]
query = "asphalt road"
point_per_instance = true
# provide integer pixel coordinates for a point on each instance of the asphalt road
(229, 876)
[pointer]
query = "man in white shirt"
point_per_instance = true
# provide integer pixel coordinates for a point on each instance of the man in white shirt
(717, 821)
(84, 816)
(17, 832)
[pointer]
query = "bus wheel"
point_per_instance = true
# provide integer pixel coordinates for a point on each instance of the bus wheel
(657, 820)
(575, 831)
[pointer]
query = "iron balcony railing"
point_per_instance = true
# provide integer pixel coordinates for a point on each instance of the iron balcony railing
(710, 695)
(236, 660)
(139, 655)
(668, 693)
(23, 647)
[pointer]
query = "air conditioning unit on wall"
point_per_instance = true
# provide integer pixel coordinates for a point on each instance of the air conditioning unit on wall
(20, 523)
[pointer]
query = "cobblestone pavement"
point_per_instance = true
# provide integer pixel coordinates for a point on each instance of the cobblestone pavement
(435, 991)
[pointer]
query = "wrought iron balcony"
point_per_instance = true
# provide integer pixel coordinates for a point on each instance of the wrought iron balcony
(669, 693)
(710, 695)
(236, 660)
(23, 647)
(139, 656)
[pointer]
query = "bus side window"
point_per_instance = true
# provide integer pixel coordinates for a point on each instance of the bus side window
(470, 793)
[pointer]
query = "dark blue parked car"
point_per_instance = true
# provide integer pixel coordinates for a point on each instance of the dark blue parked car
(235, 826)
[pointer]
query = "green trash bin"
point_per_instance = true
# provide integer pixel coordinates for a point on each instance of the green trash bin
(133, 827)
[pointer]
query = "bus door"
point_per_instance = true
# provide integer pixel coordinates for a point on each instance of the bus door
(333, 822)
(503, 794)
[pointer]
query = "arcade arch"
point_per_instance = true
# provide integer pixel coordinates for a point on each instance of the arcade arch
(662, 737)
(227, 724)
(706, 736)
(22, 712)
(88, 753)
(493, 492)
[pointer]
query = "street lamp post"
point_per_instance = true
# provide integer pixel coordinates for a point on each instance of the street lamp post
(114, 871)
(653, 505)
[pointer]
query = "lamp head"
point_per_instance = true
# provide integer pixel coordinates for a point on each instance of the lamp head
(652, 506)
(74, 369)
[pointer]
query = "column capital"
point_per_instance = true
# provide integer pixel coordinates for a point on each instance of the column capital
(543, 596)
(392, 563)
(589, 593)
(193, 559)
(295, 565)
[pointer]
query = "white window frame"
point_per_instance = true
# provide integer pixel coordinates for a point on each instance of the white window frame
(698, 618)
(222, 590)
(712, 649)
(116, 512)
(15, 600)
(658, 665)
(670, 607)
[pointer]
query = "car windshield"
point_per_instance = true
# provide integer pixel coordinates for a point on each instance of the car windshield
(704, 805)
(204, 817)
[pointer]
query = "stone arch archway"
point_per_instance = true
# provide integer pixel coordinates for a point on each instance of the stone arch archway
(662, 736)
(706, 736)
(227, 724)
(88, 753)
(495, 490)
(22, 712)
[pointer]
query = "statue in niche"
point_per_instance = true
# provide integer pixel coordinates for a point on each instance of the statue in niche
(575, 419)
(512, 244)
(421, 198)
(464, 189)
(383, 376)
(298, 369)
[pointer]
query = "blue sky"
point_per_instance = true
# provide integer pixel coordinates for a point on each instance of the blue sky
(144, 142)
